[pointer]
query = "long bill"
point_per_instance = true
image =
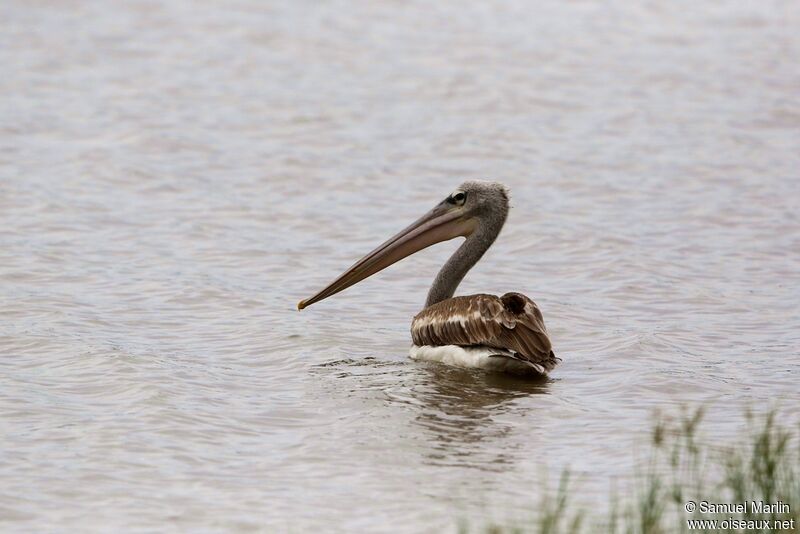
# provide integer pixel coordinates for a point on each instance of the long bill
(442, 223)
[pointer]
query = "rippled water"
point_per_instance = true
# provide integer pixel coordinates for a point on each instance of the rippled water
(175, 176)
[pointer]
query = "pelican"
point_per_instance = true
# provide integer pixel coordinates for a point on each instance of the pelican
(505, 333)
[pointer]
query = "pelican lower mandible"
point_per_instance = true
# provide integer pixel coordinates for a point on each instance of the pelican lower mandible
(505, 333)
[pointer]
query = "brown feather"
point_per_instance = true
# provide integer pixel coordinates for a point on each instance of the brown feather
(512, 322)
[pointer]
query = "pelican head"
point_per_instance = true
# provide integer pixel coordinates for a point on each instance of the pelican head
(475, 209)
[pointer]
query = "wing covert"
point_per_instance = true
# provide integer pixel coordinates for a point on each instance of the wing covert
(512, 322)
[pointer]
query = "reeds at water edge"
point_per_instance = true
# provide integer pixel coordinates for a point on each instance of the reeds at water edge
(689, 483)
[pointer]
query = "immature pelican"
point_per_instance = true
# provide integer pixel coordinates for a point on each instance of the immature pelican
(499, 333)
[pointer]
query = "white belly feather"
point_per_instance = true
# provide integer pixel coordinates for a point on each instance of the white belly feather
(479, 357)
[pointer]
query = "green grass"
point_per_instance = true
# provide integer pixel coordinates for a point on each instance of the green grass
(681, 466)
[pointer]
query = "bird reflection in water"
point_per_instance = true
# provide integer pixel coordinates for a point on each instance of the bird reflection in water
(459, 411)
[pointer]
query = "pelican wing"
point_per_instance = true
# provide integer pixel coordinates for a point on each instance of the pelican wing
(512, 322)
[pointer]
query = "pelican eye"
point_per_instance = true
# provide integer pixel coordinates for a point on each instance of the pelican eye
(457, 198)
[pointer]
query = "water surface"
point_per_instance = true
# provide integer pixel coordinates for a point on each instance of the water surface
(175, 176)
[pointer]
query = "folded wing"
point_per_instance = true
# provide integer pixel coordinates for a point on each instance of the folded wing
(512, 322)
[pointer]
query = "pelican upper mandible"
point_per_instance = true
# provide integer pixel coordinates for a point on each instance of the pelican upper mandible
(505, 333)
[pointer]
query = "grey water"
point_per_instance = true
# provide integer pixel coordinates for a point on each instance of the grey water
(175, 176)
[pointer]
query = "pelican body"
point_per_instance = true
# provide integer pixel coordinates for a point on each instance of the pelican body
(505, 333)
